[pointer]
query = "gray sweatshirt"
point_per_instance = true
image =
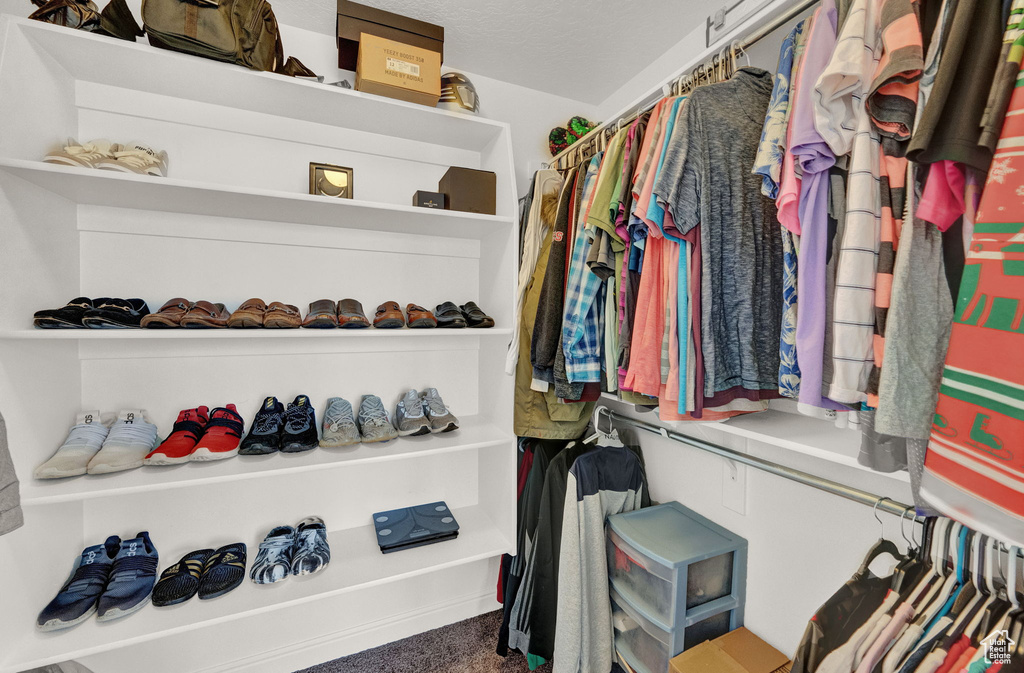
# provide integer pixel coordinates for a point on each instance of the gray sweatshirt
(602, 482)
(10, 503)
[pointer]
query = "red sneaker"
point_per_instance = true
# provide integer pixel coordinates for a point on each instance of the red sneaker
(222, 435)
(179, 444)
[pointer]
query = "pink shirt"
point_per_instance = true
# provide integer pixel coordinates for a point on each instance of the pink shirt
(942, 202)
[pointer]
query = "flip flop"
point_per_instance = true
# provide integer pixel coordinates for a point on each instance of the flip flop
(223, 571)
(180, 582)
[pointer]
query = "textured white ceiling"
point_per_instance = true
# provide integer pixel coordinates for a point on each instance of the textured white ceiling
(581, 49)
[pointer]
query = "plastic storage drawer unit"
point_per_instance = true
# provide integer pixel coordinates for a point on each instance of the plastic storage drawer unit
(677, 568)
(648, 648)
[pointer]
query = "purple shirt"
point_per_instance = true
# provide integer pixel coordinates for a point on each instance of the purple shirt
(815, 159)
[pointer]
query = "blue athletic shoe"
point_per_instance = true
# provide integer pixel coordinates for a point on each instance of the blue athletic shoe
(76, 600)
(131, 579)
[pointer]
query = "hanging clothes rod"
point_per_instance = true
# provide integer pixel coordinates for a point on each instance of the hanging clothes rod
(626, 116)
(881, 503)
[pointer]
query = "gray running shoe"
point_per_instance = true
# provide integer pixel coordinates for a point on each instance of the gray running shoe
(441, 420)
(339, 424)
(373, 421)
(409, 416)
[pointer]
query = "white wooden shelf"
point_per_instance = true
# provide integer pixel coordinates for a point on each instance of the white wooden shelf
(356, 563)
(140, 67)
(474, 433)
(95, 187)
(805, 435)
(181, 334)
(799, 434)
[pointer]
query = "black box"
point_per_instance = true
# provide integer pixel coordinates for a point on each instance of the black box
(429, 199)
(354, 19)
(469, 190)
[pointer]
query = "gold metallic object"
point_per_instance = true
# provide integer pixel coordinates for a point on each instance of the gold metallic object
(330, 180)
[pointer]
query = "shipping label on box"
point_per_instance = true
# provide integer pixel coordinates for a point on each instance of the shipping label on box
(397, 70)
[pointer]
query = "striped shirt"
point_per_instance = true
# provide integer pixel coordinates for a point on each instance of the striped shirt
(842, 119)
(892, 105)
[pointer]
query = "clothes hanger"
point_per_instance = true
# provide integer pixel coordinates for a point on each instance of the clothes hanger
(746, 56)
(998, 604)
(609, 438)
(883, 546)
(913, 568)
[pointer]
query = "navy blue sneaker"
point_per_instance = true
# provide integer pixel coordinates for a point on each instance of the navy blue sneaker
(299, 427)
(76, 600)
(265, 432)
(131, 579)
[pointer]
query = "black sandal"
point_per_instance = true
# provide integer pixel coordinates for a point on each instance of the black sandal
(180, 582)
(223, 571)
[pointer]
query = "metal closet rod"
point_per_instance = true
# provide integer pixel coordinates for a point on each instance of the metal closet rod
(751, 39)
(881, 503)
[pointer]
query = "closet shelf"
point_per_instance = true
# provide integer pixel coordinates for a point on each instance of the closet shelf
(808, 436)
(89, 186)
(792, 432)
(336, 335)
(140, 67)
(357, 564)
(474, 433)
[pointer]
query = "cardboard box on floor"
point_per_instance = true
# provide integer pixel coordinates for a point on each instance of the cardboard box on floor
(738, 651)
(396, 70)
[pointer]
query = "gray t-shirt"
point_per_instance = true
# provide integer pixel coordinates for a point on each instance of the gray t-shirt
(741, 246)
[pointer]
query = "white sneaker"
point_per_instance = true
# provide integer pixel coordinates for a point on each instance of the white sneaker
(84, 440)
(136, 158)
(85, 155)
(130, 439)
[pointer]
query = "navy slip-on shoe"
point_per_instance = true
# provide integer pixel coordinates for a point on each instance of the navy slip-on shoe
(76, 600)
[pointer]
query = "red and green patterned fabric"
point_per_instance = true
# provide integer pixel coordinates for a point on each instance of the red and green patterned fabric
(974, 470)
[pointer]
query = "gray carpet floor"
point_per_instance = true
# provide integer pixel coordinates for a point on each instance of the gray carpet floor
(465, 647)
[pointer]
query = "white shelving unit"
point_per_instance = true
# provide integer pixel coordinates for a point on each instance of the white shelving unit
(232, 221)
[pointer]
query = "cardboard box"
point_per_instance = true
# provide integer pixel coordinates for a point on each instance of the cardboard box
(355, 19)
(738, 651)
(396, 70)
(469, 190)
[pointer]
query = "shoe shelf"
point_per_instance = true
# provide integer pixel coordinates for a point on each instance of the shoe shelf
(475, 433)
(233, 221)
(338, 335)
(357, 564)
(89, 186)
(140, 67)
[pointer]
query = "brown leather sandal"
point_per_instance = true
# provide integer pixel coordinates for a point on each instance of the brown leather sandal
(249, 314)
(419, 316)
(169, 315)
(204, 314)
(282, 316)
(351, 315)
(321, 315)
(389, 316)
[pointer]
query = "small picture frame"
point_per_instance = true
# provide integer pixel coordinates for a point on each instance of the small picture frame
(330, 180)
